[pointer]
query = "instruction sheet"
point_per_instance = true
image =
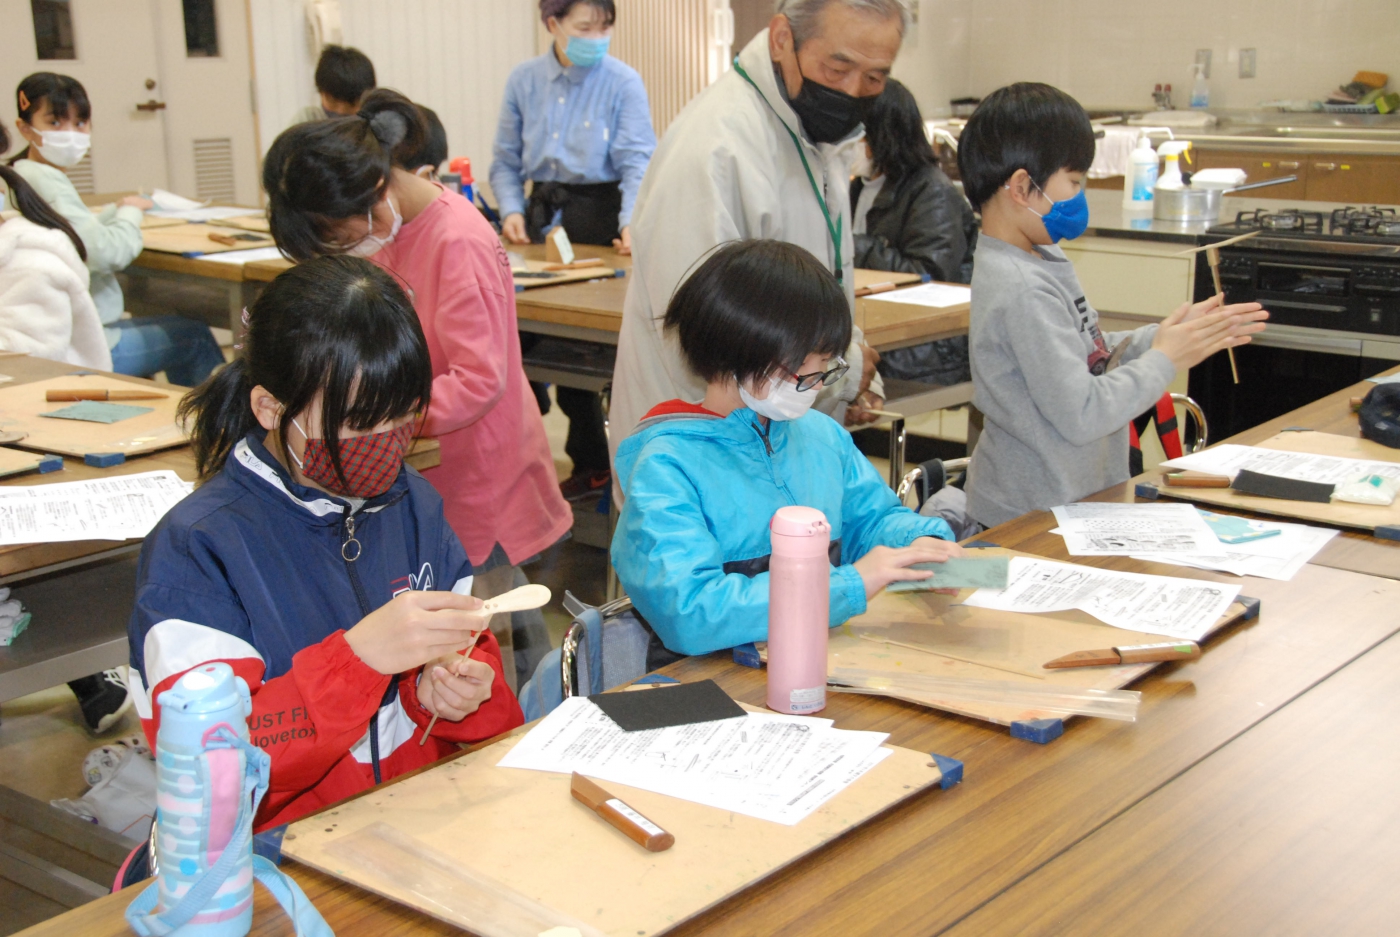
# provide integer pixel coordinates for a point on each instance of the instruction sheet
(1109, 529)
(118, 508)
(1276, 557)
(1229, 459)
(763, 765)
(935, 295)
(1178, 608)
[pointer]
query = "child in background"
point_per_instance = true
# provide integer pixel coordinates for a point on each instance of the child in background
(344, 75)
(341, 186)
(311, 560)
(1056, 415)
(55, 118)
(763, 323)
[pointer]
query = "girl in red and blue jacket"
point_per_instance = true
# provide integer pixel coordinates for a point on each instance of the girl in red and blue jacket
(312, 560)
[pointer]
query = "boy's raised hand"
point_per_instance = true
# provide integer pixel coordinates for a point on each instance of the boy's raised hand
(884, 565)
(416, 627)
(1193, 333)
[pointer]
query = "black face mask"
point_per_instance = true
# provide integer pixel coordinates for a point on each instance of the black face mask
(827, 115)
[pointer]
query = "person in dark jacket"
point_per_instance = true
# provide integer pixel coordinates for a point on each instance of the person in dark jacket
(311, 560)
(909, 218)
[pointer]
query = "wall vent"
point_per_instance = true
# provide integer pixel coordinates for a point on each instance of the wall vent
(213, 169)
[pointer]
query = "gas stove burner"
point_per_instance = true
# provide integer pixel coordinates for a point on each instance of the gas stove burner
(1289, 220)
(1368, 222)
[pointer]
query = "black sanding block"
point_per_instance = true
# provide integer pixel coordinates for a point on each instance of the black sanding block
(1289, 489)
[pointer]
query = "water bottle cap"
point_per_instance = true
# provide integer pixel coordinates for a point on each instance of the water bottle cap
(208, 688)
(798, 521)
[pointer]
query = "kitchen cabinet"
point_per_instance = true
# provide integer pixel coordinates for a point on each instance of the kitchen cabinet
(1356, 180)
(1261, 166)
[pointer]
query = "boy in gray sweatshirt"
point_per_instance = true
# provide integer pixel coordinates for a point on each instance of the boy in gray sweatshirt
(1056, 393)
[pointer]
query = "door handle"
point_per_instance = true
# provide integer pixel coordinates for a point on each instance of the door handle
(152, 105)
(1288, 164)
(1325, 167)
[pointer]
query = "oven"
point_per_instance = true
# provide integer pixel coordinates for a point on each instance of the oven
(1335, 320)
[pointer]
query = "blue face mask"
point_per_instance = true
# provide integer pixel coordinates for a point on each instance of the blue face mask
(587, 52)
(1065, 220)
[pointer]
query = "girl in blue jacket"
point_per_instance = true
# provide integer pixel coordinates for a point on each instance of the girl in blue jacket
(763, 323)
(311, 560)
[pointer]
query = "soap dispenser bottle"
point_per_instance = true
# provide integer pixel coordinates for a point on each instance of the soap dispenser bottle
(1200, 91)
(1141, 175)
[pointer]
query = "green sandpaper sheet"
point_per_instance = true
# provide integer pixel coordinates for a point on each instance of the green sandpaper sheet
(97, 411)
(960, 572)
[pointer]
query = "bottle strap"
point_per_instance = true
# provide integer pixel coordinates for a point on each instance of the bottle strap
(309, 923)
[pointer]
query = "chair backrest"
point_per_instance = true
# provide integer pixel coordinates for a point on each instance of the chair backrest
(604, 647)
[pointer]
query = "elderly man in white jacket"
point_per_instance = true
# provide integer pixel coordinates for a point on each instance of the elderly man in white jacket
(45, 307)
(764, 152)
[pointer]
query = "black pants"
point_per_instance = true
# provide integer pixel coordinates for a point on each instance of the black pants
(587, 442)
(589, 212)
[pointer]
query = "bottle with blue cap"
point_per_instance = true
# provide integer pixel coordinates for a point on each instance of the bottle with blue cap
(209, 781)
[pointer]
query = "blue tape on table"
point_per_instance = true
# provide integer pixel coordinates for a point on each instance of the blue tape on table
(104, 459)
(620, 273)
(1251, 607)
(1388, 532)
(1144, 490)
(656, 678)
(50, 463)
(981, 545)
(1039, 731)
(268, 844)
(746, 655)
(950, 768)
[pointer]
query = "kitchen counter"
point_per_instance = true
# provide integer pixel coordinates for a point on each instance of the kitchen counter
(1108, 218)
(1290, 132)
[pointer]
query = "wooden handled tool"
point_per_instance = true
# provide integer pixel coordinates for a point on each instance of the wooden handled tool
(1130, 654)
(1213, 258)
(875, 288)
(102, 393)
(1196, 480)
(632, 824)
(577, 264)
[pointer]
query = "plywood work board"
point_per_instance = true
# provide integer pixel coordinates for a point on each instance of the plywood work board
(13, 461)
(190, 240)
(927, 633)
(20, 407)
(1337, 513)
(560, 276)
(524, 830)
(257, 223)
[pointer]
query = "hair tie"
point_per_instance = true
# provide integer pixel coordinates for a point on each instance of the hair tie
(389, 128)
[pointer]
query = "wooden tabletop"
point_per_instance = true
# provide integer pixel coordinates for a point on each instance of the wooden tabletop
(25, 558)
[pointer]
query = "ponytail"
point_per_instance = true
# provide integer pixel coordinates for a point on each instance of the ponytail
(218, 413)
(320, 173)
(32, 206)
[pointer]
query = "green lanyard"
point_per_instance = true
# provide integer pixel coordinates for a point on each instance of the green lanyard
(832, 229)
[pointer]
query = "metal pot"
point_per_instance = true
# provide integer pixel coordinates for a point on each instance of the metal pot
(1191, 204)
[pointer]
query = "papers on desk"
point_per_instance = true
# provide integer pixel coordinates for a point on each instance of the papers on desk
(764, 765)
(1107, 529)
(117, 508)
(1178, 608)
(244, 257)
(170, 205)
(1229, 459)
(936, 295)
(1277, 557)
(1385, 379)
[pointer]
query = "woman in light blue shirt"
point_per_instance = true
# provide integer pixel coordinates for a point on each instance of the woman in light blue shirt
(575, 123)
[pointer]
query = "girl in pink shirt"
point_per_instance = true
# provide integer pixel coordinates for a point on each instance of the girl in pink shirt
(334, 186)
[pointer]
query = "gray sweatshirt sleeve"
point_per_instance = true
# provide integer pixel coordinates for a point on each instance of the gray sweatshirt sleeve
(1081, 406)
(1140, 341)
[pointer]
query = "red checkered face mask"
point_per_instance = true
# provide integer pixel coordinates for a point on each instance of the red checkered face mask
(371, 462)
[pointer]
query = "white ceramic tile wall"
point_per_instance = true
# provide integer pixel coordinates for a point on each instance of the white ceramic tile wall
(451, 55)
(1111, 52)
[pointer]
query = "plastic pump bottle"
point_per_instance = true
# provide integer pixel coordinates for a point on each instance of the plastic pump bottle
(799, 604)
(1141, 175)
(1171, 173)
(1200, 91)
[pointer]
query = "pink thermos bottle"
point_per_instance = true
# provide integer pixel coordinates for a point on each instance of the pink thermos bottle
(799, 601)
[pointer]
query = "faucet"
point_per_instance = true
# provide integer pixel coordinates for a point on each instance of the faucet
(1162, 96)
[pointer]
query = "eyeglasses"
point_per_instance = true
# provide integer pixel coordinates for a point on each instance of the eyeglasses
(826, 378)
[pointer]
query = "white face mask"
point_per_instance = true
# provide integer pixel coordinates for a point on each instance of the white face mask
(371, 243)
(64, 148)
(784, 400)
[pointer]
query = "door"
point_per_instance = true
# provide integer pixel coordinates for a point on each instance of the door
(1356, 180)
(1258, 167)
(108, 45)
(206, 85)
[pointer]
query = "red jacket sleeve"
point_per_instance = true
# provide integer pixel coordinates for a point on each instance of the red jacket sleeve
(500, 713)
(306, 719)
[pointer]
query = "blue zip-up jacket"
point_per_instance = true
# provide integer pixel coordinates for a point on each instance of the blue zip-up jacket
(692, 543)
(262, 573)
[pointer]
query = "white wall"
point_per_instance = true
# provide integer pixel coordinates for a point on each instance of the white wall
(451, 55)
(1109, 53)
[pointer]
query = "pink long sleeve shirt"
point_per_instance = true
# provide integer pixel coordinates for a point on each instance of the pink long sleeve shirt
(497, 476)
